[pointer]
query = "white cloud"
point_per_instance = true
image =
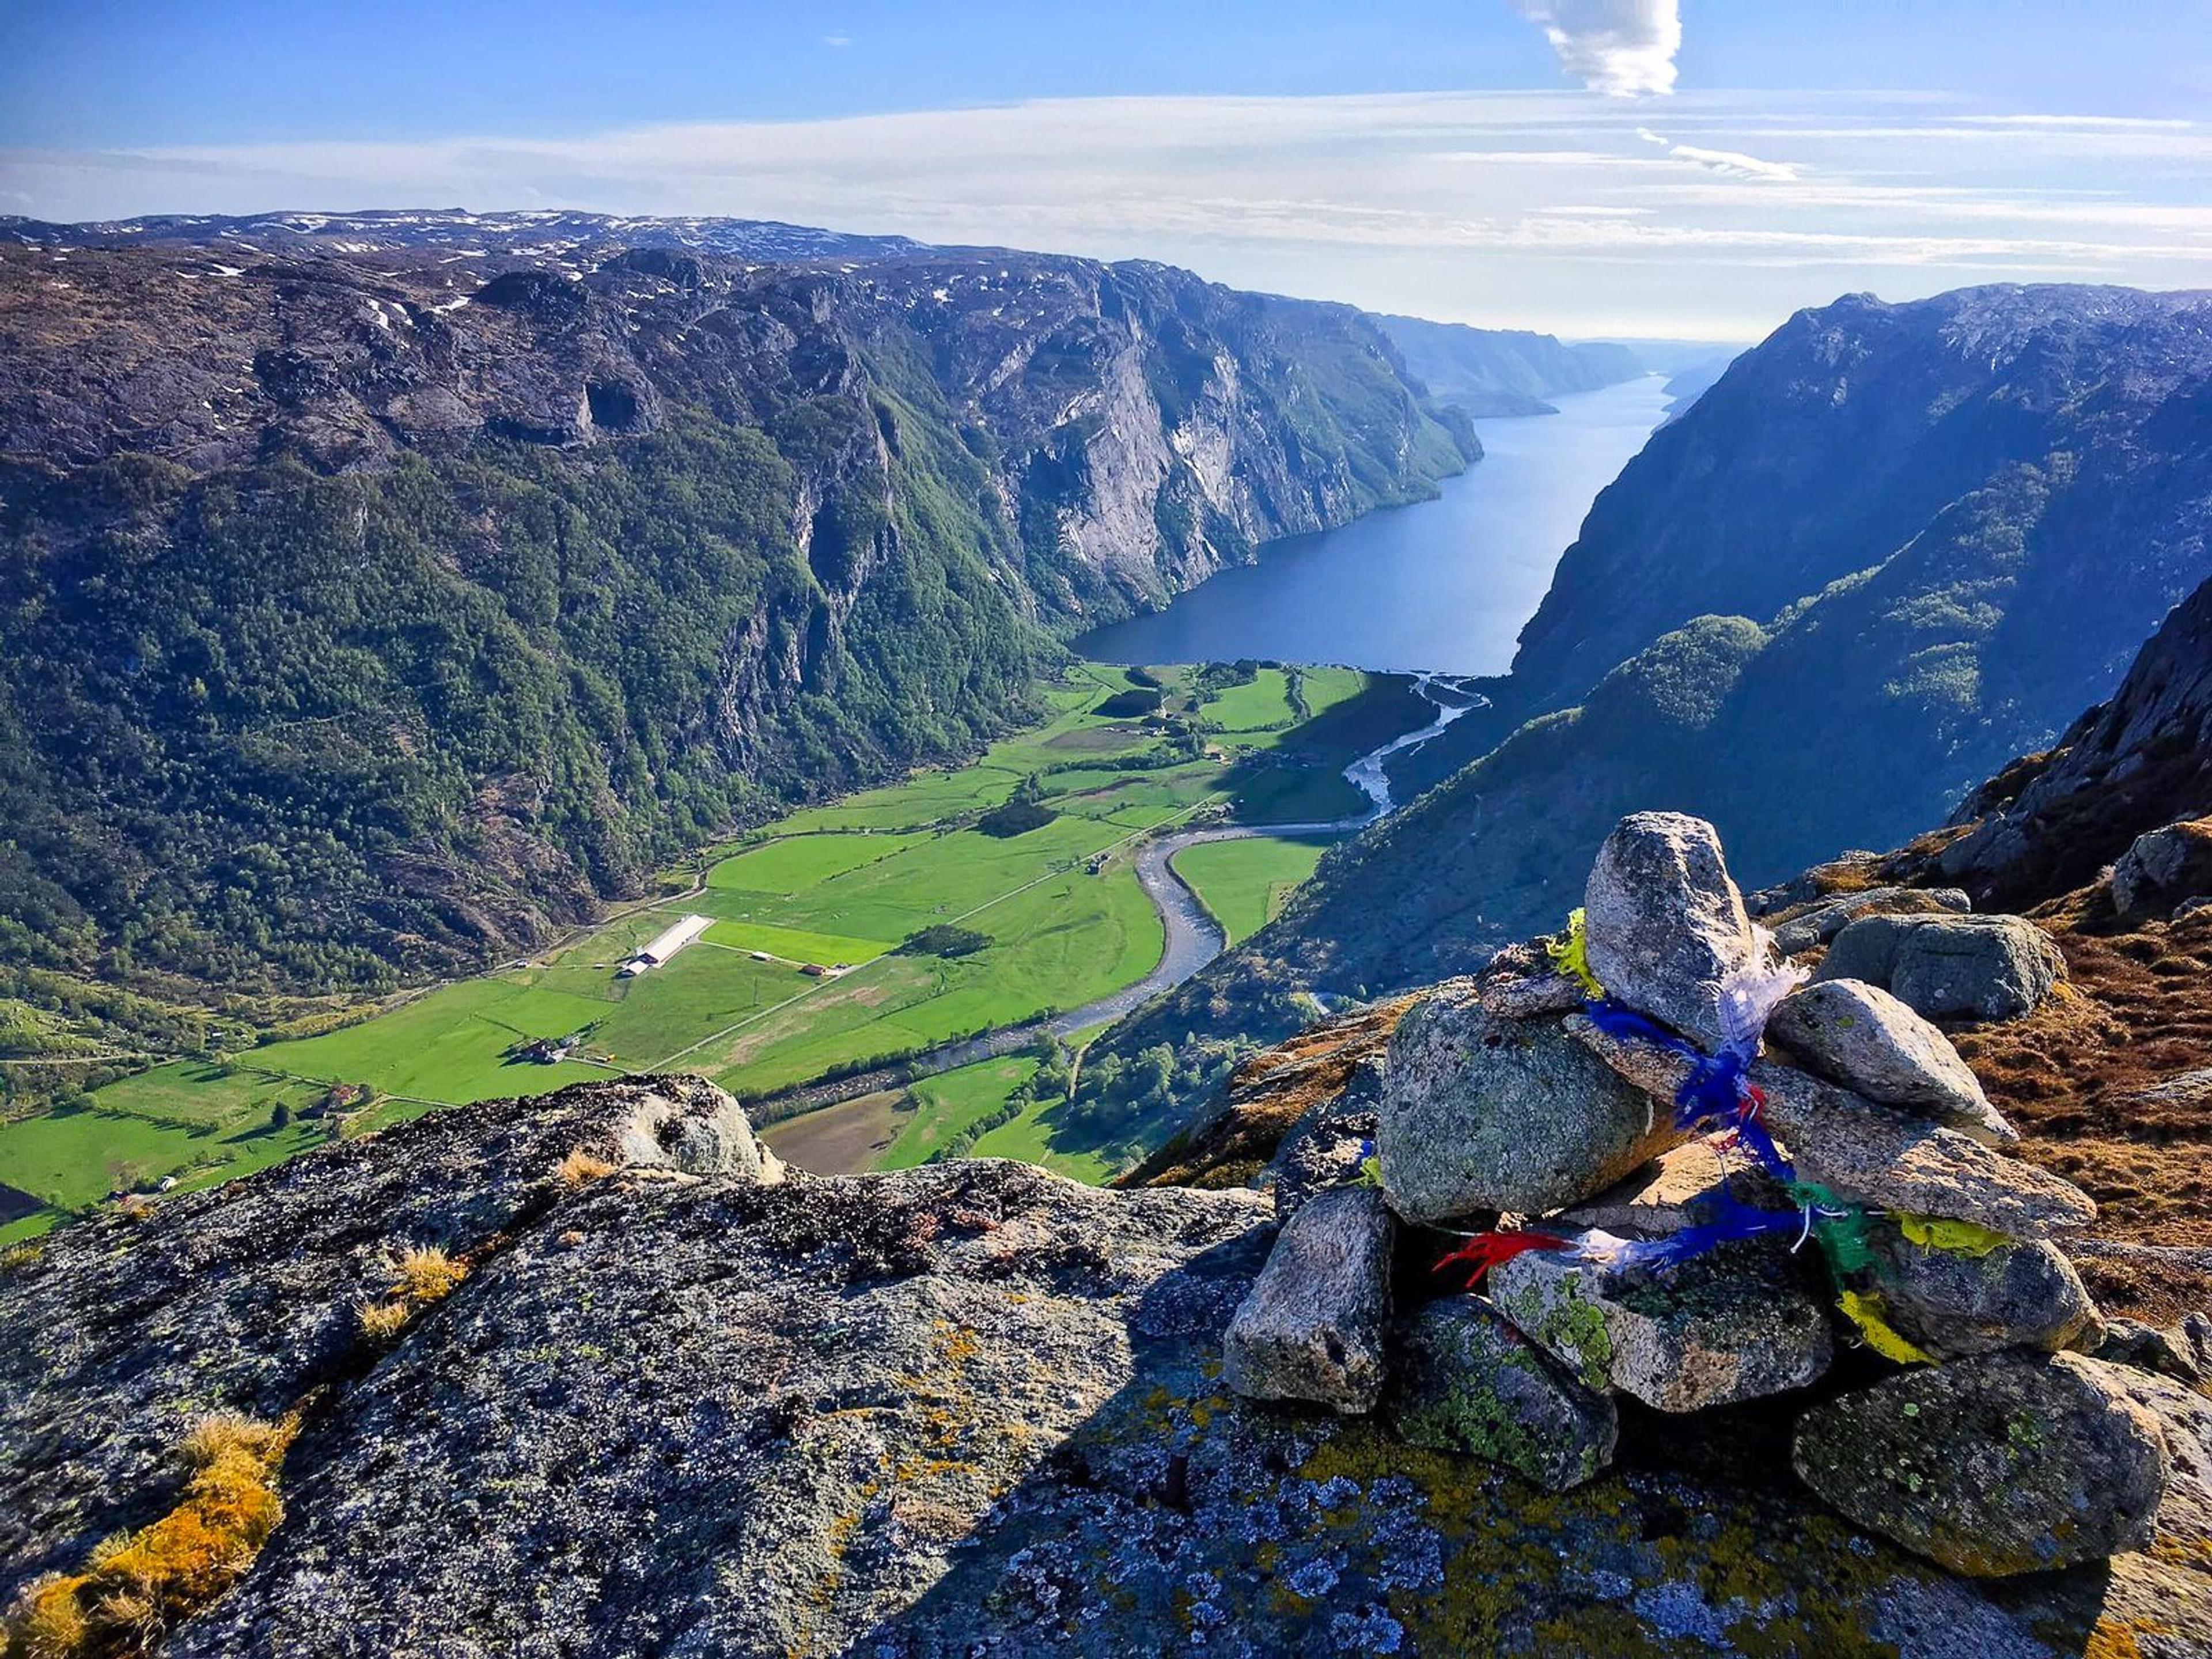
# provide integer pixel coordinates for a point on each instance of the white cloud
(1732, 163)
(1543, 210)
(1623, 48)
(836, 39)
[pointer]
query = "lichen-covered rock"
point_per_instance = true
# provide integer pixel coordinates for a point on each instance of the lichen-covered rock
(1312, 1329)
(971, 1408)
(1481, 1113)
(1980, 968)
(1822, 921)
(1872, 1155)
(1953, 1303)
(1329, 1145)
(1889, 1160)
(256, 1286)
(1465, 1380)
(2005, 1464)
(1860, 1037)
(1665, 924)
(1733, 1324)
(2163, 868)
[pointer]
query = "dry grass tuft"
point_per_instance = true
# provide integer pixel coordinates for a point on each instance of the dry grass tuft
(137, 1587)
(21, 1257)
(580, 1168)
(380, 1322)
(426, 1273)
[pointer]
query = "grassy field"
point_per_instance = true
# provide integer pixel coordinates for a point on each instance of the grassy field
(1244, 882)
(945, 1105)
(1059, 906)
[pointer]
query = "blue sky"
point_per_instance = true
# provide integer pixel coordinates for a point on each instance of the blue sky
(1676, 167)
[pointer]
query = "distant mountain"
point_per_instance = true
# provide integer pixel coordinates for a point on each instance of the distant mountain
(378, 592)
(1489, 372)
(547, 235)
(1894, 547)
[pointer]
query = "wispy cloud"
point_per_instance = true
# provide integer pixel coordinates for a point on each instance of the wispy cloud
(1560, 210)
(837, 40)
(1622, 48)
(1730, 163)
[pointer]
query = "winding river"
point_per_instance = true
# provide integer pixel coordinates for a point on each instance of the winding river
(1192, 937)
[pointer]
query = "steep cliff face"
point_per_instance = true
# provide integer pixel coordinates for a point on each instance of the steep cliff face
(381, 592)
(1858, 427)
(1505, 372)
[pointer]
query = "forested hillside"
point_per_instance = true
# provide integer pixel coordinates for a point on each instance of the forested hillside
(1893, 548)
(374, 599)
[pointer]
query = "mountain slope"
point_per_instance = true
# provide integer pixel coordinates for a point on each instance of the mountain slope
(1491, 372)
(1957, 528)
(370, 608)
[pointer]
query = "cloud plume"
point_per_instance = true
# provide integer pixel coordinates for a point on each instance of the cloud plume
(1623, 48)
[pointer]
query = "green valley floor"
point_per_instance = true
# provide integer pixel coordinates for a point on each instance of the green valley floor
(801, 974)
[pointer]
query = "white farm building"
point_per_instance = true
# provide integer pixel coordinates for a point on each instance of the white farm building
(664, 945)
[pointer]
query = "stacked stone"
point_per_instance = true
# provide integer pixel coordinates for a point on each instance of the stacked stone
(1988, 1440)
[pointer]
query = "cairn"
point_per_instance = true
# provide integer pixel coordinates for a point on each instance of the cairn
(1650, 1158)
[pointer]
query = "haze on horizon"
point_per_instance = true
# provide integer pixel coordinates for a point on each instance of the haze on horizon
(1621, 167)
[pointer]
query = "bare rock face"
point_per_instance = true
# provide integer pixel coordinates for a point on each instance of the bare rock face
(1887, 1159)
(1329, 1145)
(1314, 1326)
(1467, 1382)
(1733, 1324)
(2007, 1464)
(259, 1285)
(2162, 868)
(1860, 1037)
(1950, 967)
(1481, 1113)
(1824, 920)
(1953, 1304)
(1665, 923)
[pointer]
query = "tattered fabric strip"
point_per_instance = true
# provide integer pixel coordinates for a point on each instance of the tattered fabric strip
(1956, 1237)
(1868, 1312)
(1571, 956)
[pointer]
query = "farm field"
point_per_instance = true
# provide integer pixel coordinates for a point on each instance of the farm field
(1058, 917)
(1244, 882)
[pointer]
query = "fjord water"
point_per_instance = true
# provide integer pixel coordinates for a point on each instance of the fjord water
(1443, 585)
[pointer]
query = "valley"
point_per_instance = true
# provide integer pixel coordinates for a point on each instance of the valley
(815, 962)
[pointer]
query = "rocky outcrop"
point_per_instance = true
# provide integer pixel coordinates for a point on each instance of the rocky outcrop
(1975, 967)
(1666, 925)
(2004, 1465)
(2129, 767)
(1312, 1327)
(968, 1407)
(1485, 1114)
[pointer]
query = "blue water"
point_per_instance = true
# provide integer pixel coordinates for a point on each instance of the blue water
(1443, 585)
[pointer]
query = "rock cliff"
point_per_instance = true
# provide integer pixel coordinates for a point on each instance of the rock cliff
(382, 591)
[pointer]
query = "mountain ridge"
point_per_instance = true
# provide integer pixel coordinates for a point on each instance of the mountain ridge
(371, 612)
